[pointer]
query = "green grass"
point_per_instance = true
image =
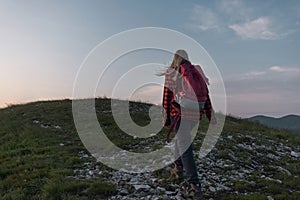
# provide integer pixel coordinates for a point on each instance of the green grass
(34, 164)
(39, 163)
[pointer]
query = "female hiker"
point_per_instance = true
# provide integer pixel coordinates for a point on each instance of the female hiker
(182, 118)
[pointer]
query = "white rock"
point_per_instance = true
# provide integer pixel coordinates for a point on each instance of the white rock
(279, 181)
(295, 154)
(269, 179)
(170, 192)
(124, 192)
(272, 156)
(284, 170)
(212, 189)
(161, 189)
(141, 187)
(241, 175)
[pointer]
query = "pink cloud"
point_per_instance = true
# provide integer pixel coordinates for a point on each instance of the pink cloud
(284, 69)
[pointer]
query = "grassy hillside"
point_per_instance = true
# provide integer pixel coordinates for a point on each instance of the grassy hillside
(39, 150)
(289, 122)
(42, 157)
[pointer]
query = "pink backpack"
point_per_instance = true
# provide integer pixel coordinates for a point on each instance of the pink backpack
(193, 83)
(193, 91)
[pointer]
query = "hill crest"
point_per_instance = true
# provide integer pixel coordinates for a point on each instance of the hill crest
(42, 157)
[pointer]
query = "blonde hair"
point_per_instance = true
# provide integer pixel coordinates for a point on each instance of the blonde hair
(180, 57)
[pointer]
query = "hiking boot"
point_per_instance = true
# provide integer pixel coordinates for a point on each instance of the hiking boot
(177, 172)
(194, 192)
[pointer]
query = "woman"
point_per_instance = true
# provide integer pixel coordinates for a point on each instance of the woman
(173, 88)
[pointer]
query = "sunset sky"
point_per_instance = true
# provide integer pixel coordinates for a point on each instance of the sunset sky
(255, 45)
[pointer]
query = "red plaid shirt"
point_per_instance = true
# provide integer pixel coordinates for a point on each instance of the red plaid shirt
(171, 88)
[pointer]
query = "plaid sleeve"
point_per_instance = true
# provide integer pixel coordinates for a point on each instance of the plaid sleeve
(167, 98)
(209, 111)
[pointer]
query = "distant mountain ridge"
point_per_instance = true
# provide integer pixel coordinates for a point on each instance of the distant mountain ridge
(289, 122)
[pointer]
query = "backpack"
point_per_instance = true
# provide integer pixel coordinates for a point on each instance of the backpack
(193, 85)
(193, 92)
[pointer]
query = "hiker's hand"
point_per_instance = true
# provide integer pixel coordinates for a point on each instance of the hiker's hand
(167, 123)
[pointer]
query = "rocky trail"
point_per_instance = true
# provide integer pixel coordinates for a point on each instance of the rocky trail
(239, 165)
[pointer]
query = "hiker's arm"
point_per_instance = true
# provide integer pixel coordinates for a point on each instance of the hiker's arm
(167, 97)
(209, 111)
(202, 74)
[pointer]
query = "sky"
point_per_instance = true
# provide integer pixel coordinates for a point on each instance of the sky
(254, 44)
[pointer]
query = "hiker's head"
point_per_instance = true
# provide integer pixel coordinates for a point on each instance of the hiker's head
(180, 57)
